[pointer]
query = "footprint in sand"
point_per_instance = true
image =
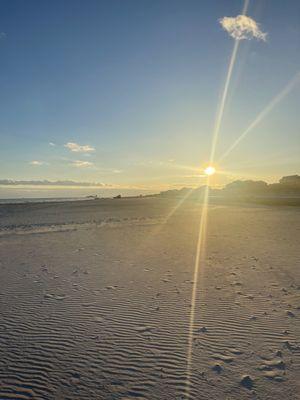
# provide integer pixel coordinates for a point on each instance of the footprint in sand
(223, 357)
(247, 382)
(88, 304)
(274, 369)
(236, 284)
(217, 368)
(55, 297)
(274, 375)
(144, 329)
(111, 287)
(235, 351)
(60, 297)
(277, 363)
(291, 346)
(290, 314)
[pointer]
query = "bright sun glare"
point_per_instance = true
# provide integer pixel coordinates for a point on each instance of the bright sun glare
(210, 170)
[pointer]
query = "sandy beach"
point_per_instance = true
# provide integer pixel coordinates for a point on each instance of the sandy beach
(95, 301)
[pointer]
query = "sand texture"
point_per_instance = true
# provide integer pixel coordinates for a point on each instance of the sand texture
(95, 300)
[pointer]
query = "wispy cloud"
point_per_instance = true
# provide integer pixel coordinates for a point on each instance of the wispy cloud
(242, 27)
(77, 148)
(36, 162)
(52, 144)
(2, 35)
(82, 164)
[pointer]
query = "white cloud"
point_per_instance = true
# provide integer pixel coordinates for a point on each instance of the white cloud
(52, 144)
(77, 148)
(242, 27)
(35, 162)
(82, 164)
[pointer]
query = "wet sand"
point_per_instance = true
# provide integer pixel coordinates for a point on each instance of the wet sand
(95, 301)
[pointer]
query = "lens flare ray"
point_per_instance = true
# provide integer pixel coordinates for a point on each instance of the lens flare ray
(203, 220)
(220, 113)
(178, 205)
(280, 96)
(197, 275)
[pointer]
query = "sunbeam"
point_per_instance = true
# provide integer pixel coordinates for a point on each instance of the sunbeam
(220, 113)
(203, 220)
(280, 96)
(198, 260)
(179, 203)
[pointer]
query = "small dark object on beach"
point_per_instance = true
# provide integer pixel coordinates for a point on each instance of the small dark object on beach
(247, 382)
(217, 368)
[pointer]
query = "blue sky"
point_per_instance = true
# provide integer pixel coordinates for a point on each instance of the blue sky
(139, 81)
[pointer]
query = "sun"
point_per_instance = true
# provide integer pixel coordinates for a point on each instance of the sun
(210, 170)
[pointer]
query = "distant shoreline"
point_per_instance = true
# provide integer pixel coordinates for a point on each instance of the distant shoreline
(40, 200)
(272, 200)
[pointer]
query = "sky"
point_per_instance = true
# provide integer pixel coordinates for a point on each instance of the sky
(126, 93)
